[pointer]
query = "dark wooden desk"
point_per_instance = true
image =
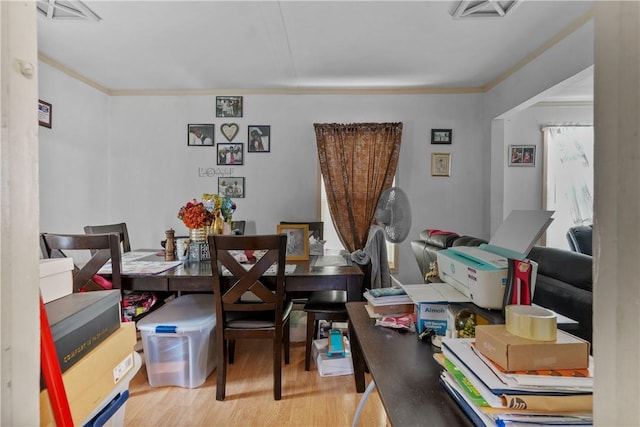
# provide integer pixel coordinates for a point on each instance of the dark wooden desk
(195, 276)
(405, 373)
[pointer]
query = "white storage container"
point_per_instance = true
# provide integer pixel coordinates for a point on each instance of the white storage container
(56, 279)
(179, 341)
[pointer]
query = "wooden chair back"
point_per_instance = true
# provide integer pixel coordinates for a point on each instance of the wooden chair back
(120, 228)
(103, 247)
(263, 316)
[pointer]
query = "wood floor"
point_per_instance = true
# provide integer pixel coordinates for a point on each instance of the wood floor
(307, 398)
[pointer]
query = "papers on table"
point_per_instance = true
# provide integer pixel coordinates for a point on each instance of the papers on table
(331, 261)
(491, 397)
(460, 351)
(434, 292)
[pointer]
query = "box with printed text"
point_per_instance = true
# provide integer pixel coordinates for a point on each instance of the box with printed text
(432, 316)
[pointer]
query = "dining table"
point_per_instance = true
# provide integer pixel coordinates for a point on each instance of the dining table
(319, 272)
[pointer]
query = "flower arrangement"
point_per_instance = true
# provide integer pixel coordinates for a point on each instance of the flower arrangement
(220, 205)
(211, 210)
(195, 215)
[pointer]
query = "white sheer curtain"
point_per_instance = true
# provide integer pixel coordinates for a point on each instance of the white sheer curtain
(568, 178)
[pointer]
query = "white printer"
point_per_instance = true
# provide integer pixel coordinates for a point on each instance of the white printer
(480, 273)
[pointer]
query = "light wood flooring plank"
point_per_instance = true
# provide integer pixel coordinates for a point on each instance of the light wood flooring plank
(307, 399)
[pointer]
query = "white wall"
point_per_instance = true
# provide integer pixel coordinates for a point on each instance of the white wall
(73, 154)
(552, 70)
(152, 171)
(143, 143)
(523, 185)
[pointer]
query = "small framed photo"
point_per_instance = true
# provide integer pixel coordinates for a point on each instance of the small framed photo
(45, 111)
(230, 153)
(232, 186)
(522, 155)
(441, 136)
(259, 139)
(440, 164)
(228, 106)
(297, 240)
(200, 135)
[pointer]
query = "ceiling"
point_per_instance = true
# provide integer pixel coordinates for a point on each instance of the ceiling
(272, 46)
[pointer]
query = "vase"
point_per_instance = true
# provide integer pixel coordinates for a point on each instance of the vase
(198, 234)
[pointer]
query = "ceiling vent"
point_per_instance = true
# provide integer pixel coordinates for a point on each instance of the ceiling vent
(485, 9)
(68, 10)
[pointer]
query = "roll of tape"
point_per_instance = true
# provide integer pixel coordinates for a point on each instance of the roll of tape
(534, 323)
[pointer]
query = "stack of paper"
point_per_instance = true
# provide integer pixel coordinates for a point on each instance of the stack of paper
(392, 304)
(491, 396)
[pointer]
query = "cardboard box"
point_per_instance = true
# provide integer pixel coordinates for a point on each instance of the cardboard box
(334, 365)
(95, 376)
(80, 321)
(514, 353)
(56, 278)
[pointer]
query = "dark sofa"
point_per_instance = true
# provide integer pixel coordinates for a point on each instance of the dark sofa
(563, 284)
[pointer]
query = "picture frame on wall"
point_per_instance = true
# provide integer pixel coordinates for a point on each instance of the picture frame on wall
(45, 114)
(297, 241)
(228, 106)
(200, 135)
(441, 136)
(232, 186)
(522, 155)
(259, 137)
(230, 153)
(440, 164)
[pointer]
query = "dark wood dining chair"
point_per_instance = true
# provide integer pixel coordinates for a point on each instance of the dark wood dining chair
(120, 228)
(264, 316)
(102, 248)
(320, 305)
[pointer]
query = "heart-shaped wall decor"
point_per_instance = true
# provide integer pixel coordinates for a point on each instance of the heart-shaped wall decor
(229, 130)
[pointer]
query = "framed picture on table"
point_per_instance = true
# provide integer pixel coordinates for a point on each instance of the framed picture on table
(297, 240)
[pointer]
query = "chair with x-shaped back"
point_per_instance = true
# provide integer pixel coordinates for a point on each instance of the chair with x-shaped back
(266, 315)
(103, 247)
(120, 228)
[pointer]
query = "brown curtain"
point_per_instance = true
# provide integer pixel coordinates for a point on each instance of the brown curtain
(358, 161)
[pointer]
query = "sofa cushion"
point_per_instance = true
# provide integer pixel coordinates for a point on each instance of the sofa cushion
(570, 267)
(438, 238)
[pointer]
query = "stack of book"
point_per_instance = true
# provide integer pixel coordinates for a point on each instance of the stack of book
(490, 396)
(388, 301)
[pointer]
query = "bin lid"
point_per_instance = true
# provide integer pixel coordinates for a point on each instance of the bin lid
(192, 312)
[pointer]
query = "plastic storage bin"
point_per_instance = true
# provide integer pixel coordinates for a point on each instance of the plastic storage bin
(178, 340)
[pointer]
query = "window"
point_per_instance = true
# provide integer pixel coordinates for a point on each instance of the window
(331, 236)
(568, 180)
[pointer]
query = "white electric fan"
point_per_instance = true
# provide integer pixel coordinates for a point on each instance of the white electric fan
(393, 213)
